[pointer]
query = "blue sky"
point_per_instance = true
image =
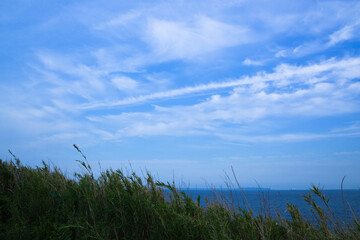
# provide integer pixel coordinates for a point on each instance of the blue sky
(185, 89)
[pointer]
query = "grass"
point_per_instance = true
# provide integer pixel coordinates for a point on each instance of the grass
(41, 203)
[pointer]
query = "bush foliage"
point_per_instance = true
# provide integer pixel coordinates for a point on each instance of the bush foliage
(41, 203)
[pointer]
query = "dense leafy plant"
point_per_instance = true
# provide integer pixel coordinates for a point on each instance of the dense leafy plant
(41, 203)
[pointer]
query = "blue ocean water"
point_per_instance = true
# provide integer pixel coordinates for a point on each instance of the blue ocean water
(344, 206)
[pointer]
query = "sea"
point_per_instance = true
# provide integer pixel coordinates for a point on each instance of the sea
(345, 205)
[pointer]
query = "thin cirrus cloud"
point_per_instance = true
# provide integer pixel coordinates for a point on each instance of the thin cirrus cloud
(249, 62)
(324, 89)
(285, 137)
(346, 33)
(125, 83)
(283, 75)
(187, 40)
(162, 39)
(119, 21)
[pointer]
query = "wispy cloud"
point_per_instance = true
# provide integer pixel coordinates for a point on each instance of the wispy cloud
(249, 62)
(345, 33)
(120, 20)
(283, 76)
(317, 90)
(125, 83)
(173, 40)
(295, 137)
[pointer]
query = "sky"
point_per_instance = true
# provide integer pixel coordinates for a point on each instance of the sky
(186, 90)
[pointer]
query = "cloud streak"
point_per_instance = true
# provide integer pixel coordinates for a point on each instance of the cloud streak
(346, 33)
(283, 75)
(316, 90)
(177, 40)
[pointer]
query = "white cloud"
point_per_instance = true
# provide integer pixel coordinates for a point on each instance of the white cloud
(155, 33)
(317, 90)
(70, 75)
(345, 33)
(282, 53)
(249, 62)
(353, 127)
(120, 20)
(125, 83)
(285, 137)
(170, 39)
(314, 90)
(283, 75)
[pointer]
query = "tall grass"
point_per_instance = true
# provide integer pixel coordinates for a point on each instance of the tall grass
(41, 203)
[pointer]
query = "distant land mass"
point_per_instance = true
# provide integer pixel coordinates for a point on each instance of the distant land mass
(232, 189)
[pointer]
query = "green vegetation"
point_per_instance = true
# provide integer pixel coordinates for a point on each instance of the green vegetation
(42, 203)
